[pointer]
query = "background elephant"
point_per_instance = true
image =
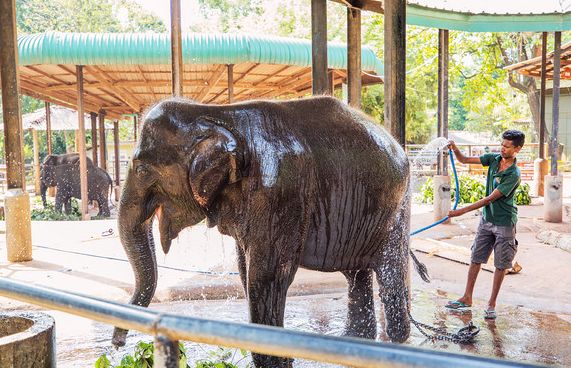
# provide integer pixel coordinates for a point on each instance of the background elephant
(308, 183)
(62, 171)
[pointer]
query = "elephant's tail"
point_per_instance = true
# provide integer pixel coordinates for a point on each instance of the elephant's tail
(420, 267)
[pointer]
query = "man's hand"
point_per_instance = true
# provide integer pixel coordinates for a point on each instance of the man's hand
(452, 146)
(456, 213)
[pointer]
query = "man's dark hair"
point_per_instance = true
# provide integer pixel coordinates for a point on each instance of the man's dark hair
(516, 136)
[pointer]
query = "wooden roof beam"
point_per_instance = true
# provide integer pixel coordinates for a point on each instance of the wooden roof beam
(212, 81)
(86, 94)
(142, 74)
(121, 93)
(370, 5)
(47, 75)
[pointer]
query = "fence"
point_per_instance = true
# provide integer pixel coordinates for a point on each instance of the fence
(525, 159)
(168, 328)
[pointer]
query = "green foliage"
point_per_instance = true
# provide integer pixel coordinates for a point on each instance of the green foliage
(472, 189)
(521, 196)
(39, 213)
(143, 357)
(35, 16)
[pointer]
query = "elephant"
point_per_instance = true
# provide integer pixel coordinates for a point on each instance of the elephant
(306, 183)
(62, 171)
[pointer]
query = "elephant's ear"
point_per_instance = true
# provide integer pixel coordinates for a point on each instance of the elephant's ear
(215, 161)
(50, 160)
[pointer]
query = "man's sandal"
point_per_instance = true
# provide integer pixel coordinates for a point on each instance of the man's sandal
(490, 314)
(457, 305)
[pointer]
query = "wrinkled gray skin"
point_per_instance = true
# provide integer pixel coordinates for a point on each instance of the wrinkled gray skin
(62, 171)
(306, 183)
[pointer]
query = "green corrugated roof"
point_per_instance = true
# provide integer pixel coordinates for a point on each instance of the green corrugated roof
(152, 48)
(437, 18)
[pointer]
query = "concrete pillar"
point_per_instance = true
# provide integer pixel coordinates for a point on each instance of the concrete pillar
(540, 169)
(442, 201)
(553, 200)
(19, 238)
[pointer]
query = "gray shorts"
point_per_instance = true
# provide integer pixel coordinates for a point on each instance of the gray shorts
(500, 239)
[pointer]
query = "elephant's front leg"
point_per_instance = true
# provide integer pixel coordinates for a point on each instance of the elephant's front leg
(361, 321)
(59, 201)
(268, 279)
(67, 206)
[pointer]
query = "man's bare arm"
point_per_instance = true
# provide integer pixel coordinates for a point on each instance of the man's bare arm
(460, 157)
(496, 194)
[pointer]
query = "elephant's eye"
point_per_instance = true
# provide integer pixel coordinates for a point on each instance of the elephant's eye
(141, 170)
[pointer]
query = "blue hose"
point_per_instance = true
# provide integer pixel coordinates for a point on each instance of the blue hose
(457, 197)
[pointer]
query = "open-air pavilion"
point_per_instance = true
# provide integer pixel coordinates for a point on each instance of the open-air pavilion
(125, 73)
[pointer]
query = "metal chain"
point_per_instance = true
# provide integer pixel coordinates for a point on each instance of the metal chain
(465, 335)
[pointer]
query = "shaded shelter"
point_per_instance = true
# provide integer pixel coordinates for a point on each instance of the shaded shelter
(124, 73)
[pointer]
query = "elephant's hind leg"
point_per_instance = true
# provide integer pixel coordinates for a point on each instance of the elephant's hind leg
(361, 321)
(393, 277)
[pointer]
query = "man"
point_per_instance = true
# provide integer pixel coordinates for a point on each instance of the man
(496, 230)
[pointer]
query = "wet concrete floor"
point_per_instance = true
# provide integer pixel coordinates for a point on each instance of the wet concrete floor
(518, 334)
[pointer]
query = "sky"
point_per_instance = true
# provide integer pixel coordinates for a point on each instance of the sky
(162, 10)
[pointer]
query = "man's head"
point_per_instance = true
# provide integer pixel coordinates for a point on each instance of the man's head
(512, 143)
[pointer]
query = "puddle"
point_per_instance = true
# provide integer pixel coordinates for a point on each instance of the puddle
(517, 334)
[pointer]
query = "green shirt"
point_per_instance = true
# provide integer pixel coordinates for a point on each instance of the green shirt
(502, 211)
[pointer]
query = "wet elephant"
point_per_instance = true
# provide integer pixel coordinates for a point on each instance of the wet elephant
(62, 171)
(308, 183)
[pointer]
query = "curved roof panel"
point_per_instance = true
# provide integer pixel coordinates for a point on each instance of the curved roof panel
(505, 7)
(154, 49)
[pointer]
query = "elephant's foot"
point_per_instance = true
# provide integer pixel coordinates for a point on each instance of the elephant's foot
(364, 325)
(267, 361)
(119, 337)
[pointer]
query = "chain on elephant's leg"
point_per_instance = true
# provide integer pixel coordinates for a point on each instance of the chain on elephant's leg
(361, 321)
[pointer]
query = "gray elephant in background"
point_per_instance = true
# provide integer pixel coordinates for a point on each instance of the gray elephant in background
(62, 171)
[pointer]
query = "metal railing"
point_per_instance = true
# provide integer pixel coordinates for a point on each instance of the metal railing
(168, 328)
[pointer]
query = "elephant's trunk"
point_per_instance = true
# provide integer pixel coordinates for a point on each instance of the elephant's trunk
(43, 189)
(135, 232)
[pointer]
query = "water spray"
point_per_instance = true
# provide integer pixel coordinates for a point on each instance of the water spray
(457, 195)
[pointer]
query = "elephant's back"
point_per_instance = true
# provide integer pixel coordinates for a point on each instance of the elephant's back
(360, 176)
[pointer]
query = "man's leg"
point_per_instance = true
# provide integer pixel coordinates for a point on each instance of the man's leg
(481, 250)
(470, 283)
(505, 250)
(498, 278)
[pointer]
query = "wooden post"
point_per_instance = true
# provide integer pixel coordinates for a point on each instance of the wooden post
(81, 140)
(442, 95)
(331, 81)
(542, 96)
(48, 127)
(36, 161)
(116, 146)
(102, 141)
(176, 49)
(13, 134)
(395, 66)
(135, 127)
(94, 138)
(230, 83)
(556, 77)
(319, 46)
(354, 56)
